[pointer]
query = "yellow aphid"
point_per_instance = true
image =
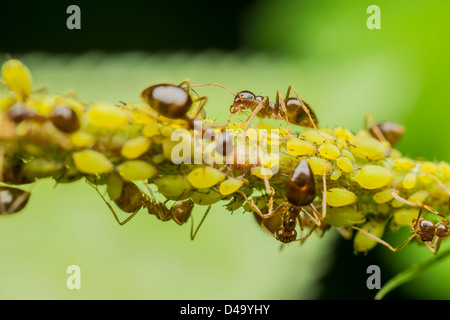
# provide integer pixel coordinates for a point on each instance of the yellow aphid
(92, 162)
(344, 164)
(300, 147)
(444, 168)
(174, 187)
(343, 134)
(43, 105)
(373, 177)
(284, 132)
(335, 174)
(135, 147)
(107, 116)
(329, 151)
(229, 186)
(150, 130)
(409, 181)
(270, 160)
(429, 167)
(419, 196)
(314, 136)
(81, 139)
(363, 243)
(205, 197)
(319, 165)
(260, 172)
(397, 204)
(145, 118)
(339, 197)
(403, 164)
(264, 126)
(17, 77)
(384, 196)
(347, 154)
(368, 148)
(343, 217)
(425, 178)
(405, 216)
(6, 101)
(133, 170)
(205, 177)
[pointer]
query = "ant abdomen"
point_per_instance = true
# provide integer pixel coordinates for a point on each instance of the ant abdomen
(130, 200)
(168, 100)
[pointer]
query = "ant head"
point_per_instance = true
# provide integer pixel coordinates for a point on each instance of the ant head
(442, 230)
(425, 229)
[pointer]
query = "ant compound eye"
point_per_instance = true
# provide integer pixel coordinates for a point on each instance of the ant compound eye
(247, 95)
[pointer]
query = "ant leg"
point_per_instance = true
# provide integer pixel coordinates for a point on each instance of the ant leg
(212, 85)
(271, 213)
(283, 106)
(193, 234)
(112, 209)
(384, 243)
(413, 204)
(324, 194)
(315, 216)
(2, 157)
(202, 106)
(306, 109)
(254, 113)
(376, 130)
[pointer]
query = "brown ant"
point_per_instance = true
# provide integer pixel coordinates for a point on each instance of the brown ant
(386, 131)
(300, 191)
(425, 229)
(293, 110)
(63, 117)
(132, 199)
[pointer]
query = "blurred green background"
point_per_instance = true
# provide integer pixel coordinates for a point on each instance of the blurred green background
(323, 48)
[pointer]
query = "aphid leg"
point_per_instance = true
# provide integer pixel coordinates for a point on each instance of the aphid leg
(304, 109)
(254, 113)
(213, 85)
(280, 101)
(112, 209)
(193, 234)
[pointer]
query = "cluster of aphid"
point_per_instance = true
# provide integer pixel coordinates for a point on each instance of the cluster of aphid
(356, 183)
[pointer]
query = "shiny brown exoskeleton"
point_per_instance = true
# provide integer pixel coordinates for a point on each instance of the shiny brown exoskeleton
(424, 229)
(173, 102)
(132, 199)
(389, 131)
(294, 110)
(63, 117)
(300, 191)
(12, 200)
